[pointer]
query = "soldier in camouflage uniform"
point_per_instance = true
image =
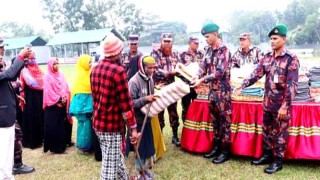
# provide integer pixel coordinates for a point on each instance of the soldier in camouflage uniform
(281, 69)
(19, 167)
(130, 58)
(186, 57)
(166, 60)
(216, 71)
(246, 54)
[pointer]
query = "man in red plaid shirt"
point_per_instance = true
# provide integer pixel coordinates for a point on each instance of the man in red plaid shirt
(112, 108)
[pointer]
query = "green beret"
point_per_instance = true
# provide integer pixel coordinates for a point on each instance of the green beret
(279, 29)
(209, 28)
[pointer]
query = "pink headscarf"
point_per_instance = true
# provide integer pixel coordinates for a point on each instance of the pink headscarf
(55, 86)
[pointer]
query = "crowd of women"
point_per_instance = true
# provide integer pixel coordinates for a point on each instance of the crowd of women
(48, 104)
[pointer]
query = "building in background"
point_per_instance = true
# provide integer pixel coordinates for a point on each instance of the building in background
(68, 46)
(14, 45)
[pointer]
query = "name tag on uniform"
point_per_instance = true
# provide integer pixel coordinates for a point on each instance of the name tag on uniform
(276, 78)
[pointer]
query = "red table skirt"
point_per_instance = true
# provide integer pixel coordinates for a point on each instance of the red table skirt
(246, 128)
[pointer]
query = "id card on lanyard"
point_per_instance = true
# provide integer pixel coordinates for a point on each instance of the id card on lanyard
(276, 78)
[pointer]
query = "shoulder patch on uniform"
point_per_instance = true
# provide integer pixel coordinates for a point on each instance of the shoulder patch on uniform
(295, 63)
(292, 55)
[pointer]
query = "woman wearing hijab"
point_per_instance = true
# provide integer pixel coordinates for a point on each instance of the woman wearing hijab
(81, 104)
(56, 97)
(141, 88)
(31, 78)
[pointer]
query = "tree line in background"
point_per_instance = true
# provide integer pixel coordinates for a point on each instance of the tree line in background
(301, 16)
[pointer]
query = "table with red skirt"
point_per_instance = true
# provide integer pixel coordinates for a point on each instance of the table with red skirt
(246, 130)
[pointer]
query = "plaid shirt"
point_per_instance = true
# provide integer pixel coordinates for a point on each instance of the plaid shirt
(111, 99)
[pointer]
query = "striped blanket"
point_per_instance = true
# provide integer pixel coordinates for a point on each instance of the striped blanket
(167, 95)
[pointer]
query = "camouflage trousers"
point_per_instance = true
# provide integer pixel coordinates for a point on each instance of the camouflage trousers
(186, 101)
(275, 133)
(220, 112)
(173, 117)
(18, 144)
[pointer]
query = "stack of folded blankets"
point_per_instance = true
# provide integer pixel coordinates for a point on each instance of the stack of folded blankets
(202, 91)
(249, 94)
(302, 94)
(252, 93)
(315, 83)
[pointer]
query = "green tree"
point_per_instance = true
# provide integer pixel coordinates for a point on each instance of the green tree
(14, 29)
(157, 27)
(94, 15)
(258, 23)
(53, 11)
(72, 15)
(308, 33)
(125, 16)
(294, 15)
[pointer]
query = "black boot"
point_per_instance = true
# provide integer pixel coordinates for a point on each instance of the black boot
(223, 157)
(266, 158)
(215, 151)
(21, 169)
(175, 139)
(274, 167)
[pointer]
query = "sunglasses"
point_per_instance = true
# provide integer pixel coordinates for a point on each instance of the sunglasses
(133, 44)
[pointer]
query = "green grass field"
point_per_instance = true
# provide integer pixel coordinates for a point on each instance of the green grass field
(176, 164)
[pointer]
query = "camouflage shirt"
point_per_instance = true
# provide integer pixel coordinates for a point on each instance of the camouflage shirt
(216, 68)
(195, 57)
(281, 79)
(165, 64)
(131, 63)
(240, 58)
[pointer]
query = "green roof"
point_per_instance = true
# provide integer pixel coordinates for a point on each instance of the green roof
(82, 36)
(16, 43)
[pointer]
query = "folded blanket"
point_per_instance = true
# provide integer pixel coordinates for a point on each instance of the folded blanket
(302, 99)
(314, 90)
(314, 78)
(303, 84)
(167, 95)
(245, 98)
(317, 99)
(315, 84)
(314, 95)
(303, 78)
(303, 91)
(252, 92)
(203, 89)
(315, 70)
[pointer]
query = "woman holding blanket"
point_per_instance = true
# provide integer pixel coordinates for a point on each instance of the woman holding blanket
(141, 88)
(56, 95)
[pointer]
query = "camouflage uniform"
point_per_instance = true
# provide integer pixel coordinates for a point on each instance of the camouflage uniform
(131, 63)
(280, 87)
(195, 57)
(216, 66)
(165, 65)
(240, 58)
(186, 100)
